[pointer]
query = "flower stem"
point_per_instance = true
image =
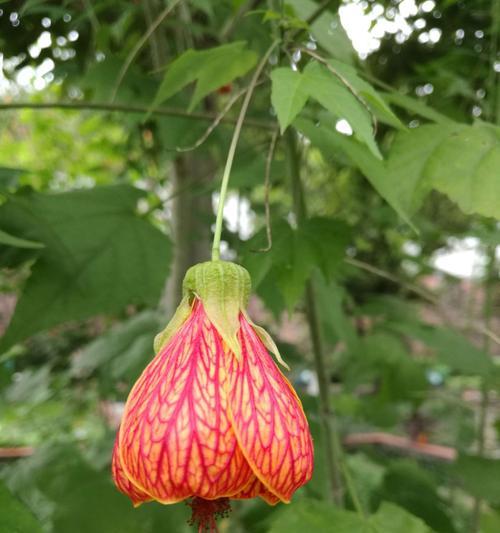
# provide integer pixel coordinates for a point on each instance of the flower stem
(232, 151)
(327, 417)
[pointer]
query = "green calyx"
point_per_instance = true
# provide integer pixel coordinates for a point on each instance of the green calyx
(220, 281)
(224, 289)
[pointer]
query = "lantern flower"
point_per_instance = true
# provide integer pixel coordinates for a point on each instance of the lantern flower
(212, 417)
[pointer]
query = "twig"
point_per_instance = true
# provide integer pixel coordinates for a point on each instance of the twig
(214, 124)
(267, 186)
(140, 43)
(435, 451)
(125, 108)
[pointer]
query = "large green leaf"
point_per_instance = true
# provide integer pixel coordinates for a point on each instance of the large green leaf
(210, 69)
(331, 143)
(312, 515)
(99, 256)
(74, 496)
(14, 516)
(414, 489)
(316, 243)
(393, 519)
(479, 476)
(458, 160)
(465, 167)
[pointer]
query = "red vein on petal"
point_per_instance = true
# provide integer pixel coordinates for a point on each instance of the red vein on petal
(264, 408)
(176, 440)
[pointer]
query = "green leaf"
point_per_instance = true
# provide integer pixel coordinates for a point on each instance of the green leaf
(479, 476)
(459, 160)
(367, 92)
(99, 256)
(330, 142)
(10, 240)
(210, 69)
(312, 515)
(74, 496)
(414, 489)
(393, 519)
(465, 167)
(15, 517)
(334, 95)
(316, 243)
(289, 95)
(415, 106)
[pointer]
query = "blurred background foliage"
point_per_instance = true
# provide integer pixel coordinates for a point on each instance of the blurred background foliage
(380, 281)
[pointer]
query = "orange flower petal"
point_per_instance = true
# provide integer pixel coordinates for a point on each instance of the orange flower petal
(123, 483)
(256, 488)
(268, 418)
(176, 440)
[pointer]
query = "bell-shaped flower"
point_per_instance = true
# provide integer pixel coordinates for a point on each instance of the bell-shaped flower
(212, 417)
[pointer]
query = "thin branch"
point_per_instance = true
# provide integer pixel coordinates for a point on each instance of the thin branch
(267, 185)
(140, 43)
(125, 108)
(218, 119)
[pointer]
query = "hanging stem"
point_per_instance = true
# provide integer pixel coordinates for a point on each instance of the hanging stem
(328, 422)
(232, 151)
